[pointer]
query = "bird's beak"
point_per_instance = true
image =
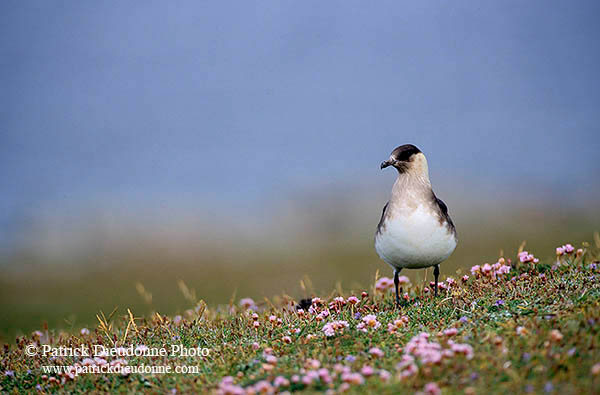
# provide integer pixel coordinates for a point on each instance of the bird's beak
(386, 163)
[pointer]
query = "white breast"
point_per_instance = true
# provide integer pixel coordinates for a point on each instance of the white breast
(414, 239)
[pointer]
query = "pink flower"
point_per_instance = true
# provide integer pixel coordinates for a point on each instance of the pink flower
(410, 370)
(286, 339)
(428, 352)
(407, 366)
(312, 363)
(504, 269)
(432, 389)
(384, 375)
(255, 346)
(560, 251)
(376, 352)
(450, 281)
(397, 324)
(367, 371)
(316, 301)
(309, 378)
(271, 359)
(247, 303)
(281, 381)
(465, 278)
(464, 349)
(263, 386)
(486, 269)
(331, 328)
(568, 248)
(450, 332)
(383, 284)
(524, 257)
(353, 300)
(339, 300)
(322, 315)
(353, 378)
(403, 280)
(324, 375)
(555, 335)
(369, 322)
(475, 270)
(226, 387)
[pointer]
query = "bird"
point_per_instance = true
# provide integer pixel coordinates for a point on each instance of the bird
(415, 230)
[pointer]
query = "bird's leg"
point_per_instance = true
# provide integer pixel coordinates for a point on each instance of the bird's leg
(436, 274)
(396, 272)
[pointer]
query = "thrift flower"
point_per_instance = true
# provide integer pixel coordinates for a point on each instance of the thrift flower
(331, 328)
(383, 284)
(369, 322)
(525, 257)
(403, 280)
(353, 378)
(397, 324)
(432, 389)
(568, 248)
(450, 332)
(376, 352)
(281, 381)
(367, 371)
(384, 375)
(247, 303)
(555, 335)
(353, 300)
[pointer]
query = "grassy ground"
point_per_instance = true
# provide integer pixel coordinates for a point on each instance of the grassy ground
(534, 329)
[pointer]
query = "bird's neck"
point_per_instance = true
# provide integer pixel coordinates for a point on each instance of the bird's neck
(412, 187)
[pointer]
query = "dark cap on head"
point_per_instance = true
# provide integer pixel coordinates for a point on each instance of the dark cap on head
(400, 156)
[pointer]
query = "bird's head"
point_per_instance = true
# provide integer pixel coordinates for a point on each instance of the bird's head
(407, 158)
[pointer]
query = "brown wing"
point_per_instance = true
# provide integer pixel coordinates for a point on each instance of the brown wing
(443, 213)
(380, 224)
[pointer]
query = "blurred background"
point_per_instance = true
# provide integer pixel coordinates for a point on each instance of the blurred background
(236, 145)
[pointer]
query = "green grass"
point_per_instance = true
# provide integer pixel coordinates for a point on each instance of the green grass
(537, 333)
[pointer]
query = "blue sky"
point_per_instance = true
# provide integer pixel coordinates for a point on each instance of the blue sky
(154, 103)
